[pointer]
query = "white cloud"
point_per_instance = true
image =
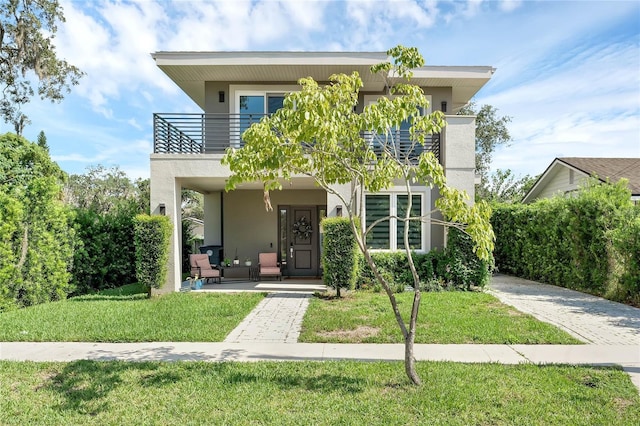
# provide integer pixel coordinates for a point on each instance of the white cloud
(567, 71)
(510, 5)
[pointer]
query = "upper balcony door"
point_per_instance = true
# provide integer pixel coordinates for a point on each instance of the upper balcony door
(251, 106)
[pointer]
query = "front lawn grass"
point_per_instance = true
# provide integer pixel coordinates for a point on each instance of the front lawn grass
(122, 315)
(300, 393)
(451, 317)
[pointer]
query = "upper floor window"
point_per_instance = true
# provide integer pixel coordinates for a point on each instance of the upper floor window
(389, 234)
(253, 105)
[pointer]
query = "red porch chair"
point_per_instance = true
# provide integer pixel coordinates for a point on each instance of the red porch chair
(201, 267)
(268, 265)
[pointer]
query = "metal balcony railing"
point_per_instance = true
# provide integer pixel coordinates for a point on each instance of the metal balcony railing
(175, 133)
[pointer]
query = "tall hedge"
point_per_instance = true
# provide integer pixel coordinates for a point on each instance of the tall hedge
(105, 254)
(152, 238)
(339, 254)
(36, 237)
(582, 242)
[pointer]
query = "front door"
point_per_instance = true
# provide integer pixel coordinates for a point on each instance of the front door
(300, 242)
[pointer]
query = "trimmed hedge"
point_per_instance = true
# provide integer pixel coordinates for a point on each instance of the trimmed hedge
(586, 242)
(105, 254)
(339, 254)
(454, 268)
(151, 239)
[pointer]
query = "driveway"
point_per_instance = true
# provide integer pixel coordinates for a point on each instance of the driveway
(588, 318)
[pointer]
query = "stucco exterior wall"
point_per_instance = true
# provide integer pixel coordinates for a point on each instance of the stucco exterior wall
(251, 229)
(458, 153)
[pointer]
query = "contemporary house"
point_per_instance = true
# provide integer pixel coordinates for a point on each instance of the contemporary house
(564, 175)
(235, 89)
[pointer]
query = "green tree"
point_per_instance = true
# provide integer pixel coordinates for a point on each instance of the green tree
(27, 30)
(192, 204)
(42, 141)
(503, 186)
(105, 190)
(318, 133)
(37, 239)
(491, 132)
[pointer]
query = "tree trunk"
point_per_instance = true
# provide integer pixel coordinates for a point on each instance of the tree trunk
(410, 359)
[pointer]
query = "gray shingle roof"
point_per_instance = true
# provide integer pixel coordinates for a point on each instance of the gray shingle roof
(611, 168)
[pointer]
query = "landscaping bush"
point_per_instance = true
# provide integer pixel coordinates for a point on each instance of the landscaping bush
(151, 240)
(105, 254)
(579, 242)
(624, 283)
(455, 267)
(36, 237)
(339, 254)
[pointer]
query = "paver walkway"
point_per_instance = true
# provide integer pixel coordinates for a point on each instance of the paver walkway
(588, 318)
(276, 319)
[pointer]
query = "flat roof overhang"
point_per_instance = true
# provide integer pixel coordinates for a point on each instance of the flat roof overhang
(190, 71)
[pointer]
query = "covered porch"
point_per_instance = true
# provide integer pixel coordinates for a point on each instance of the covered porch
(237, 221)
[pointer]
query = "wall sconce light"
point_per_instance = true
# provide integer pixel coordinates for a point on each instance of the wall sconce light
(443, 106)
(221, 96)
(338, 211)
(163, 209)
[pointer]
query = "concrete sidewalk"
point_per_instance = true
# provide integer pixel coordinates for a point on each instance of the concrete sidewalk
(628, 356)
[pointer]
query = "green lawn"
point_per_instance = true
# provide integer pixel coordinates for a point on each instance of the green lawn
(121, 315)
(301, 393)
(445, 317)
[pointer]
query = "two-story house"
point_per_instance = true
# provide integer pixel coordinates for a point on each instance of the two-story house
(234, 89)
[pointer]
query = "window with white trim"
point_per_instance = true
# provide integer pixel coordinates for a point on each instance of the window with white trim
(389, 234)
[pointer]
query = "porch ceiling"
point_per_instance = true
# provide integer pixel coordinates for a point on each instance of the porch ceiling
(207, 185)
(190, 70)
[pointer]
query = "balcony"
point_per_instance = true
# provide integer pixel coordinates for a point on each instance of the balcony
(213, 133)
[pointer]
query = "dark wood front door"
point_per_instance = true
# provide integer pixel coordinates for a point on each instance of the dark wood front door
(299, 241)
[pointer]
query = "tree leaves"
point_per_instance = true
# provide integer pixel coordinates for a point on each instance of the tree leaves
(27, 29)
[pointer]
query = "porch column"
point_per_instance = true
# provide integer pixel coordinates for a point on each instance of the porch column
(334, 204)
(165, 190)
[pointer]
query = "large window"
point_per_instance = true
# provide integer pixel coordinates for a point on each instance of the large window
(377, 207)
(252, 106)
(389, 234)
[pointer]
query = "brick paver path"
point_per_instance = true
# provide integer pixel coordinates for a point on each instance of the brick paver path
(588, 318)
(276, 319)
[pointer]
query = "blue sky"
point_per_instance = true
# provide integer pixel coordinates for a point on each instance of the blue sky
(568, 73)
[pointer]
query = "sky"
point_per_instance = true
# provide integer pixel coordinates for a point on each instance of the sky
(567, 73)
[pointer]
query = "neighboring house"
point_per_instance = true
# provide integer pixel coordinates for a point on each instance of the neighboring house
(234, 89)
(566, 174)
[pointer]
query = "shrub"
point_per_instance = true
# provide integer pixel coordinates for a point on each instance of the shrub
(105, 254)
(339, 254)
(456, 267)
(624, 283)
(151, 240)
(579, 242)
(36, 237)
